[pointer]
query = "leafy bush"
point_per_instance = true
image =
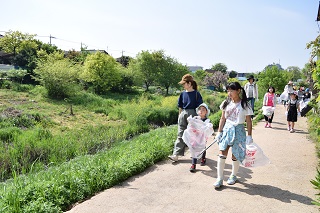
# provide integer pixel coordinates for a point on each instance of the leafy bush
(22, 87)
(103, 71)
(316, 184)
(6, 84)
(215, 119)
(59, 76)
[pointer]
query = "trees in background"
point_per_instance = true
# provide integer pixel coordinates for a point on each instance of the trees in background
(220, 67)
(272, 76)
(170, 72)
(103, 71)
(217, 79)
(145, 66)
(157, 69)
(233, 74)
(15, 41)
(294, 73)
(22, 50)
(58, 75)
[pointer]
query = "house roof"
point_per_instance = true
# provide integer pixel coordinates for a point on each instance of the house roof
(94, 51)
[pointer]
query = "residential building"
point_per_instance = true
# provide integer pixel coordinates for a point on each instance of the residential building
(194, 68)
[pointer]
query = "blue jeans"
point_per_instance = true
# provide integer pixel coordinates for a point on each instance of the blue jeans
(251, 101)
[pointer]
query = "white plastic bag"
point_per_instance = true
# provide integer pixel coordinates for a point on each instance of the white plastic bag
(255, 156)
(268, 110)
(196, 135)
(284, 96)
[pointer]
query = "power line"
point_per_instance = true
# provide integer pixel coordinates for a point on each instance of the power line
(120, 51)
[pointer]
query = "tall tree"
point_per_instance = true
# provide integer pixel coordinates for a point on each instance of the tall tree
(12, 42)
(200, 75)
(295, 72)
(314, 65)
(220, 67)
(233, 74)
(272, 76)
(217, 79)
(171, 73)
(146, 65)
(58, 75)
(102, 71)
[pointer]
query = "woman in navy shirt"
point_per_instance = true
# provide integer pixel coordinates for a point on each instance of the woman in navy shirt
(188, 101)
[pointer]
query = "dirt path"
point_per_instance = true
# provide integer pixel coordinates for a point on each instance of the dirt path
(282, 186)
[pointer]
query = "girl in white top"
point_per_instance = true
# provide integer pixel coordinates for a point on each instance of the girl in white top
(231, 131)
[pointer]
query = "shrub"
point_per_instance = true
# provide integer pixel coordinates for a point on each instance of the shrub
(59, 76)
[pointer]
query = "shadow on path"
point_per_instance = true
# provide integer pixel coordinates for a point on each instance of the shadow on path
(272, 192)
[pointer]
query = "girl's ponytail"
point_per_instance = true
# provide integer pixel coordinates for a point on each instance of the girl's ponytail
(194, 85)
(244, 99)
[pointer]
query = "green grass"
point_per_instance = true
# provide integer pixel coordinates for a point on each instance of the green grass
(55, 189)
(54, 159)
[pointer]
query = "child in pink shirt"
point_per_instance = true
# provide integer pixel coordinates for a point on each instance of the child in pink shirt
(269, 99)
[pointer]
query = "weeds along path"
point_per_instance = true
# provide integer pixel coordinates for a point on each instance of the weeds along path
(282, 186)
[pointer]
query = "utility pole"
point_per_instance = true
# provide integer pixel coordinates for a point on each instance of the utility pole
(50, 38)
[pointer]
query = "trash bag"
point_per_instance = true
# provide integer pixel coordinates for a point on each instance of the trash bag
(255, 156)
(268, 110)
(284, 96)
(196, 135)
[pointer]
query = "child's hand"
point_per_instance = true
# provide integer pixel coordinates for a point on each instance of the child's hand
(249, 140)
(218, 136)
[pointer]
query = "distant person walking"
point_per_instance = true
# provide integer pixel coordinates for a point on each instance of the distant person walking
(269, 100)
(188, 101)
(293, 107)
(231, 132)
(251, 89)
(288, 89)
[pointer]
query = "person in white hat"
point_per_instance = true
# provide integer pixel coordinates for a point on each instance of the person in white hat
(203, 112)
(288, 89)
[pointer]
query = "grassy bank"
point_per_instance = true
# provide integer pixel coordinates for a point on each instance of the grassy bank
(55, 189)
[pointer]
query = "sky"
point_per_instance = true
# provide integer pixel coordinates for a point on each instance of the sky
(245, 35)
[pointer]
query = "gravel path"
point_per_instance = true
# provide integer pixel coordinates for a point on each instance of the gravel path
(282, 186)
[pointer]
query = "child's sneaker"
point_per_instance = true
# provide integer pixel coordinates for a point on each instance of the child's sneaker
(193, 168)
(174, 158)
(292, 131)
(203, 162)
(289, 128)
(266, 126)
(232, 180)
(269, 125)
(218, 183)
